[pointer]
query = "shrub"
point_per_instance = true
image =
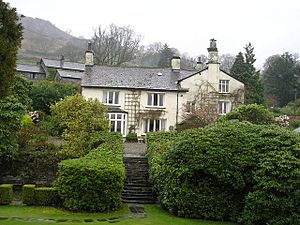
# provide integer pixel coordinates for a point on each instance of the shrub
(46, 196)
(93, 182)
(252, 113)
(295, 124)
(6, 194)
(132, 137)
(81, 118)
(26, 120)
(28, 194)
(228, 171)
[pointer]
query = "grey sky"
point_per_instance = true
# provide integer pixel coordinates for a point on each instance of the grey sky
(272, 26)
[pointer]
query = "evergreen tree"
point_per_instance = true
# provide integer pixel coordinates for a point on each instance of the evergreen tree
(166, 55)
(244, 70)
(10, 40)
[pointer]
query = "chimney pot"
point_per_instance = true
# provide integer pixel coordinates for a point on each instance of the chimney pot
(89, 55)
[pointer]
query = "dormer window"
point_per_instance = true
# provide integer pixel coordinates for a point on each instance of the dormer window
(156, 99)
(223, 86)
(110, 97)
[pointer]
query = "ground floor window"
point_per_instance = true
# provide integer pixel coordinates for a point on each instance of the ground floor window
(151, 125)
(118, 122)
(224, 107)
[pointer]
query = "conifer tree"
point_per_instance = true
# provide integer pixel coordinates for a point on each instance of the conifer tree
(165, 56)
(10, 40)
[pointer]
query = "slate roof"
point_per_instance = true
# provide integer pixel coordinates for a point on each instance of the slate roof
(133, 77)
(70, 74)
(54, 63)
(29, 68)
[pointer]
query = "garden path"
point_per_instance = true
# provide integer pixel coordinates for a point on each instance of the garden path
(134, 149)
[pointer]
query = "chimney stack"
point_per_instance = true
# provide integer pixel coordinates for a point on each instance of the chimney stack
(199, 65)
(89, 55)
(175, 64)
(213, 52)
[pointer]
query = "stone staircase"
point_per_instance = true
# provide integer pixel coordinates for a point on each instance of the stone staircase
(137, 188)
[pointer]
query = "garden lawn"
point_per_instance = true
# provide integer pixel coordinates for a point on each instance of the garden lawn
(18, 214)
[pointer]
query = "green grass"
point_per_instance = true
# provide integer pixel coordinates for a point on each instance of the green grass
(154, 216)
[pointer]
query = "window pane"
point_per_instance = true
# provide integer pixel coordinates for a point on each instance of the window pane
(116, 98)
(157, 126)
(151, 126)
(149, 99)
(220, 107)
(155, 99)
(163, 124)
(110, 97)
(104, 99)
(119, 116)
(113, 116)
(146, 126)
(119, 126)
(112, 123)
(220, 86)
(161, 99)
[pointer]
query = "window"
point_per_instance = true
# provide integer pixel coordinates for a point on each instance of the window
(118, 122)
(190, 107)
(110, 97)
(156, 99)
(151, 125)
(224, 107)
(224, 86)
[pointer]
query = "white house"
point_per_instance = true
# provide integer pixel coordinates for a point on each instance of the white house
(142, 100)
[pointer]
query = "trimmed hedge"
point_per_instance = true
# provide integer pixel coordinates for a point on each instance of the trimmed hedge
(46, 196)
(228, 171)
(94, 182)
(28, 194)
(6, 194)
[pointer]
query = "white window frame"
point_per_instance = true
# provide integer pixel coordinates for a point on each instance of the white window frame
(122, 119)
(106, 97)
(151, 95)
(223, 86)
(224, 107)
(162, 125)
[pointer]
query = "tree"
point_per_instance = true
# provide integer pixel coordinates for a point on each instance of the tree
(10, 40)
(226, 62)
(281, 75)
(165, 57)
(115, 45)
(81, 118)
(244, 70)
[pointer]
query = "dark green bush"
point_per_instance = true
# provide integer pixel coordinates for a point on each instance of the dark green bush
(6, 194)
(46, 196)
(132, 137)
(295, 124)
(252, 113)
(28, 194)
(228, 171)
(94, 182)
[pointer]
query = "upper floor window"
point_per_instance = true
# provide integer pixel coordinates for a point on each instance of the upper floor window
(110, 97)
(190, 107)
(224, 86)
(156, 99)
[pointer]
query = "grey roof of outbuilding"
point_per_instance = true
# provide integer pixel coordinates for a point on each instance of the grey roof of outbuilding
(70, 74)
(133, 77)
(29, 68)
(54, 63)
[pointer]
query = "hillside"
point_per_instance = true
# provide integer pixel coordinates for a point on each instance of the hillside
(43, 39)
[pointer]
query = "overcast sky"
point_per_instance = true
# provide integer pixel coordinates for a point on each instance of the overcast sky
(272, 26)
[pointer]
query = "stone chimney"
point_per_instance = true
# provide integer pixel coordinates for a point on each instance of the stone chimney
(213, 52)
(89, 55)
(199, 64)
(175, 64)
(62, 61)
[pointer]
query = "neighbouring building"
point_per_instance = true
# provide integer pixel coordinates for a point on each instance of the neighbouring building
(68, 76)
(33, 72)
(143, 100)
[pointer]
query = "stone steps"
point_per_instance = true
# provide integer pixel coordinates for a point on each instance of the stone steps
(137, 188)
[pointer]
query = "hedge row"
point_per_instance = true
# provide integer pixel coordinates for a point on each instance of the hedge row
(6, 194)
(94, 182)
(229, 171)
(43, 196)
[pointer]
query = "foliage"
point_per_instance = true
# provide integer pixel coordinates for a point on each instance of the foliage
(243, 70)
(49, 125)
(45, 93)
(115, 45)
(132, 137)
(11, 112)
(28, 194)
(192, 121)
(46, 196)
(6, 194)
(51, 72)
(20, 89)
(81, 118)
(94, 182)
(166, 55)
(26, 120)
(281, 74)
(10, 40)
(295, 124)
(229, 171)
(291, 109)
(253, 113)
